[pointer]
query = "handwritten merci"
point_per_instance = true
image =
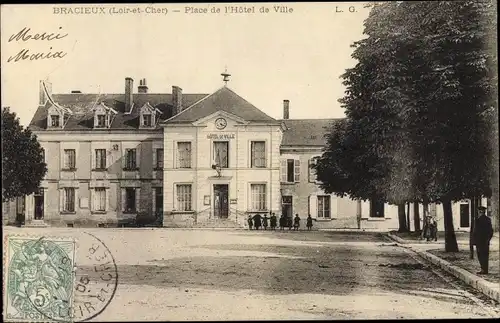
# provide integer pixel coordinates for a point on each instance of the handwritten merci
(25, 35)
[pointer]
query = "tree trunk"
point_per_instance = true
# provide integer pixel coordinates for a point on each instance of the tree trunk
(416, 217)
(402, 218)
(450, 239)
(408, 217)
(473, 207)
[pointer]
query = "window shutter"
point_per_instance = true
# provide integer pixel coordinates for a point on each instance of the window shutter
(313, 206)
(283, 170)
(155, 151)
(137, 157)
(92, 200)
(297, 170)
(124, 158)
(123, 199)
(309, 165)
(61, 199)
(137, 199)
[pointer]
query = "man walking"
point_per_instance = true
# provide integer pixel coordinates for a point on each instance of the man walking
(483, 232)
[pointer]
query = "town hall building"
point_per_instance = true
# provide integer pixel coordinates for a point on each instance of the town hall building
(186, 158)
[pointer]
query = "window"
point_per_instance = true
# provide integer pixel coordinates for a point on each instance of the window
(147, 120)
(69, 159)
(130, 159)
(290, 170)
(376, 209)
(130, 205)
(324, 206)
(184, 197)
(159, 158)
(55, 120)
(221, 153)
(184, 154)
(100, 158)
(69, 199)
(258, 193)
(258, 154)
(101, 121)
(312, 172)
(158, 200)
(99, 202)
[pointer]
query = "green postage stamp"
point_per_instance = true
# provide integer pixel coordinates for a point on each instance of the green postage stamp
(38, 278)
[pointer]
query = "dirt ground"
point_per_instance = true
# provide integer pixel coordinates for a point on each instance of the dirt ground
(167, 274)
(462, 260)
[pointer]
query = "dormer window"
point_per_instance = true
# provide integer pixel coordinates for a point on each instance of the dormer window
(103, 116)
(149, 116)
(55, 121)
(147, 120)
(101, 121)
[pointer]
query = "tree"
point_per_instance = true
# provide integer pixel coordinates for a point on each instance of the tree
(416, 103)
(23, 164)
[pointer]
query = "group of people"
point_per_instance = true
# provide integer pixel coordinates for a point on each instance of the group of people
(257, 221)
(430, 228)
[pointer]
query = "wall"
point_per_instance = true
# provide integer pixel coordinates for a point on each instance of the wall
(238, 176)
(85, 178)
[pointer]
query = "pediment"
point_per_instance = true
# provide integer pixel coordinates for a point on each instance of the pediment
(148, 108)
(101, 108)
(220, 114)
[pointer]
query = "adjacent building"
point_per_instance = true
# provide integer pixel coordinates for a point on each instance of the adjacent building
(186, 158)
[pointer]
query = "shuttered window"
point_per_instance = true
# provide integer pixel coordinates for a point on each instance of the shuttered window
(324, 208)
(100, 158)
(69, 199)
(290, 170)
(258, 197)
(258, 154)
(130, 159)
(221, 154)
(184, 202)
(69, 158)
(159, 158)
(99, 199)
(184, 154)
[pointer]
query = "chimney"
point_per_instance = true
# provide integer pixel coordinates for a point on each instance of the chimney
(177, 99)
(42, 94)
(129, 96)
(286, 109)
(142, 88)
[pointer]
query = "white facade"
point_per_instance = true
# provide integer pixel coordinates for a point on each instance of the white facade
(207, 195)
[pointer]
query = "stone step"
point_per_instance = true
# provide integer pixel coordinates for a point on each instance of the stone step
(36, 224)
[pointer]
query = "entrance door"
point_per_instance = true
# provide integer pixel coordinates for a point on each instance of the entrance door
(287, 206)
(39, 199)
(464, 215)
(221, 197)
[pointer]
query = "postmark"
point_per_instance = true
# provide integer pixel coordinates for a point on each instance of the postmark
(89, 280)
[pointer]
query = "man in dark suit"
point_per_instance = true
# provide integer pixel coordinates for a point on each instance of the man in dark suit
(483, 232)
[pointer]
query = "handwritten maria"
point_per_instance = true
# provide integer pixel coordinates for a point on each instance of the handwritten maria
(25, 35)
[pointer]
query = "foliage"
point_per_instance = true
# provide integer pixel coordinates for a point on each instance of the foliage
(418, 105)
(23, 166)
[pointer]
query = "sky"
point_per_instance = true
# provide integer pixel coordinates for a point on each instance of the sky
(298, 54)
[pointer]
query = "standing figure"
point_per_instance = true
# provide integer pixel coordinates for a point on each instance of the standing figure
(257, 221)
(282, 222)
(250, 222)
(296, 222)
(434, 230)
(428, 227)
(264, 222)
(289, 223)
(273, 221)
(483, 232)
(309, 222)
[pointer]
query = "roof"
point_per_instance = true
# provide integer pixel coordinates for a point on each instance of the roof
(306, 132)
(81, 105)
(224, 99)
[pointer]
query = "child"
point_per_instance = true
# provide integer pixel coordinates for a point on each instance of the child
(273, 222)
(296, 222)
(309, 222)
(282, 222)
(250, 222)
